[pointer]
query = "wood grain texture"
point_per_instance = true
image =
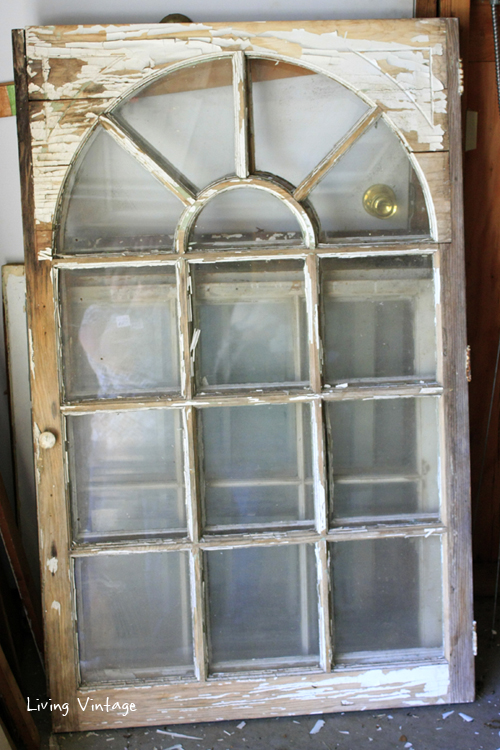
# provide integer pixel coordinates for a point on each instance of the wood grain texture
(52, 511)
(481, 47)
(426, 8)
(405, 71)
(436, 169)
(456, 415)
(482, 232)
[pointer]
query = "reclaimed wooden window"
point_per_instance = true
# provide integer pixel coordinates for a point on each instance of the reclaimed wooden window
(247, 341)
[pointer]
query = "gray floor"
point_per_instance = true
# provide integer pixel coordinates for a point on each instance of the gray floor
(473, 726)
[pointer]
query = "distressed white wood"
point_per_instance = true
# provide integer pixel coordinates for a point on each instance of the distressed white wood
(240, 89)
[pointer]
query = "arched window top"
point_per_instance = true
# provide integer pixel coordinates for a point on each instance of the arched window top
(235, 121)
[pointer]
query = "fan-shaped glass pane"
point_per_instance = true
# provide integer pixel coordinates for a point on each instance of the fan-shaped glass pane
(113, 203)
(187, 116)
(298, 116)
(243, 216)
(371, 191)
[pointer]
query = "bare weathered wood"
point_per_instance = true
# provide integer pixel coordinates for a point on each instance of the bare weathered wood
(197, 613)
(240, 89)
(337, 152)
(435, 167)
(52, 509)
(16, 707)
(185, 318)
(456, 406)
(417, 112)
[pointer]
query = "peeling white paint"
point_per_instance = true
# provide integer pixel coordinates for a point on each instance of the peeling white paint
(52, 564)
(57, 606)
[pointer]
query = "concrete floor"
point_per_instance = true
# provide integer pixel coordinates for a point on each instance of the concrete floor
(473, 726)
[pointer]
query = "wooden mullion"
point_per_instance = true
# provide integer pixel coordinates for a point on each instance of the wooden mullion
(191, 474)
(185, 318)
(198, 611)
(324, 608)
(312, 303)
(145, 157)
(333, 156)
(240, 93)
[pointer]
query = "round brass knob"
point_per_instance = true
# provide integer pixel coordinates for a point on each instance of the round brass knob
(47, 440)
(380, 201)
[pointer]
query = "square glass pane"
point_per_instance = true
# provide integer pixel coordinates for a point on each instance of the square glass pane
(126, 474)
(134, 616)
(252, 321)
(119, 331)
(379, 318)
(387, 596)
(257, 465)
(384, 457)
(263, 608)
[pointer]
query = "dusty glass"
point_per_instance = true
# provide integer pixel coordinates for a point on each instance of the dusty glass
(119, 331)
(134, 616)
(126, 475)
(262, 607)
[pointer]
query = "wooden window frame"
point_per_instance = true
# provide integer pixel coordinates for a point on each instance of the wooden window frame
(440, 680)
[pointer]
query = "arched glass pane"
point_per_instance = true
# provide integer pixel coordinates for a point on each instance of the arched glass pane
(371, 191)
(112, 203)
(187, 116)
(298, 116)
(243, 216)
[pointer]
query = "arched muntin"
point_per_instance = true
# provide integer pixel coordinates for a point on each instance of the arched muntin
(245, 172)
(268, 185)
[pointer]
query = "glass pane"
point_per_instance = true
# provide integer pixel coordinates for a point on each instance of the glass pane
(385, 456)
(378, 163)
(262, 606)
(387, 595)
(119, 331)
(188, 117)
(379, 318)
(134, 616)
(111, 203)
(257, 464)
(252, 318)
(292, 106)
(243, 216)
(126, 474)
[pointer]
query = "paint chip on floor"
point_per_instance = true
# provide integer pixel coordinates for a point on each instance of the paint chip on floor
(181, 736)
(465, 717)
(241, 725)
(317, 727)
(447, 713)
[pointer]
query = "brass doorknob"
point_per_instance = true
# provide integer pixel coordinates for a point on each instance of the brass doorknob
(380, 201)
(47, 440)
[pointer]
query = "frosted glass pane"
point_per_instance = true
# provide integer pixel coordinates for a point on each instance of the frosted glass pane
(119, 331)
(262, 605)
(387, 595)
(385, 456)
(257, 464)
(242, 216)
(187, 116)
(291, 107)
(126, 474)
(252, 319)
(112, 203)
(134, 616)
(377, 158)
(379, 319)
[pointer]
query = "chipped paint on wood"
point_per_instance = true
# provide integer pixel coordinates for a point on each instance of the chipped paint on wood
(253, 697)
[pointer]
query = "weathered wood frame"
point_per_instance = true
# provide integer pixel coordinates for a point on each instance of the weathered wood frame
(59, 99)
